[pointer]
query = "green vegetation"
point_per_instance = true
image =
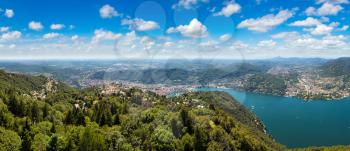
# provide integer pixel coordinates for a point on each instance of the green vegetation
(129, 119)
(332, 148)
(337, 67)
(267, 84)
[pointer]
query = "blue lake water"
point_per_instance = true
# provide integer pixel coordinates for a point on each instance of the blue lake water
(296, 122)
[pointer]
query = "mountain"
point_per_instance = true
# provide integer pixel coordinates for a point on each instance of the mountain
(179, 75)
(116, 118)
(336, 67)
(125, 119)
(20, 82)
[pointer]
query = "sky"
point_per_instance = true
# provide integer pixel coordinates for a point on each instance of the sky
(173, 29)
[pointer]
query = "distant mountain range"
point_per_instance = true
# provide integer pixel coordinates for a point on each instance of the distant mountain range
(325, 78)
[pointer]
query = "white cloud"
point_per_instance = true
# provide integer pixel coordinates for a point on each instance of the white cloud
(324, 19)
(107, 11)
(57, 26)
(267, 43)
(101, 34)
(310, 11)
(4, 29)
(12, 35)
(51, 35)
(333, 1)
(9, 13)
(189, 4)
(35, 26)
(325, 10)
(229, 10)
(334, 24)
(147, 42)
(128, 39)
(195, 29)
(286, 35)
(307, 22)
(74, 38)
(225, 37)
(325, 43)
(266, 22)
(140, 24)
(329, 9)
(321, 30)
(344, 28)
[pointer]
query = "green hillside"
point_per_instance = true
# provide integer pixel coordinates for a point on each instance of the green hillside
(336, 67)
(127, 119)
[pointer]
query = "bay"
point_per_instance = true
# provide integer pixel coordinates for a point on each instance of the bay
(298, 123)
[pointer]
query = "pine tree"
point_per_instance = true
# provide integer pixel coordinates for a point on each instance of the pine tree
(45, 110)
(26, 136)
(53, 144)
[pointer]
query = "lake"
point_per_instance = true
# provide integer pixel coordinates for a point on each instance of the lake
(298, 123)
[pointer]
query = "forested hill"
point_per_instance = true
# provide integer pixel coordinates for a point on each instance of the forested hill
(26, 84)
(336, 67)
(95, 119)
(21, 83)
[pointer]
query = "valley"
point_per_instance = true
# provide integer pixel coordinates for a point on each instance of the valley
(308, 78)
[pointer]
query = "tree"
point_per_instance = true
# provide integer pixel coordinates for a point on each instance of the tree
(9, 140)
(163, 139)
(6, 118)
(91, 140)
(35, 112)
(200, 138)
(26, 136)
(45, 110)
(187, 142)
(39, 142)
(53, 128)
(116, 119)
(53, 144)
(186, 120)
(215, 146)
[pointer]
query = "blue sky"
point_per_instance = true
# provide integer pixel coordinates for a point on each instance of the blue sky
(41, 29)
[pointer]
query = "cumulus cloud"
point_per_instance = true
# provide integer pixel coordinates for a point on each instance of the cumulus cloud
(286, 35)
(225, 37)
(189, 4)
(229, 9)
(74, 37)
(321, 30)
(140, 24)
(325, 10)
(333, 1)
(147, 42)
(12, 35)
(4, 29)
(100, 35)
(107, 11)
(51, 35)
(307, 22)
(9, 13)
(325, 43)
(267, 43)
(57, 26)
(267, 22)
(37, 26)
(344, 28)
(195, 29)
